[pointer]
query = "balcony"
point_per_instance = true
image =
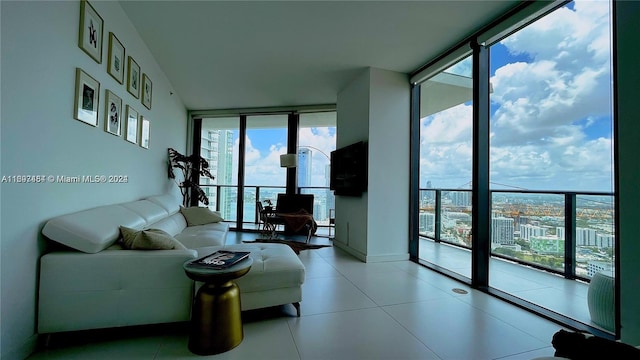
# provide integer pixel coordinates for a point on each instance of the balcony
(223, 198)
(545, 247)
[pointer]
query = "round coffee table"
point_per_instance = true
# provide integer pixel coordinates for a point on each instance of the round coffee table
(216, 323)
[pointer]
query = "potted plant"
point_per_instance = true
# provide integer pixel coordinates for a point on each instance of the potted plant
(192, 167)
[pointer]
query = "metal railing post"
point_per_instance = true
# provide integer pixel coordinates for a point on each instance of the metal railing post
(438, 208)
(570, 235)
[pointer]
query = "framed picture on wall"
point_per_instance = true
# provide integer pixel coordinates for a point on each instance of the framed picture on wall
(90, 34)
(86, 100)
(112, 113)
(133, 78)
(146, 91)
(144, 132)
(115, 65)
(132, 125)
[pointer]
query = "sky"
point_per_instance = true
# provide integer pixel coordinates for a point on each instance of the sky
(265, 145)
(551, 126)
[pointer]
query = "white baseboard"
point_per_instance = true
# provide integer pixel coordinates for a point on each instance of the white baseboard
(371, 258)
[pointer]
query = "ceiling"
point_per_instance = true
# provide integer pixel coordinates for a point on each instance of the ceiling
(247, 54)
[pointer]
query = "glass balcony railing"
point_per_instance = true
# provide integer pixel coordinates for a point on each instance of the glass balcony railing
(224, 198)
(568, 233)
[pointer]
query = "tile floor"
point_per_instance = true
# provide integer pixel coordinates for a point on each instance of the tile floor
(350, 310)
(553, 292)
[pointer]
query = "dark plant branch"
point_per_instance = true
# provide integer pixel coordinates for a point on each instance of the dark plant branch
(187, 165)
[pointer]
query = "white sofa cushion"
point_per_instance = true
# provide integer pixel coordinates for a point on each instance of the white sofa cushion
(92, 230)
(169, 202)
(148, 210)
(173, 225)
(274, 266)
(194, 237)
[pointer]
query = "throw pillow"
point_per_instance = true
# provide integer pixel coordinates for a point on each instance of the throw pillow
(200, 215)
(150, 239)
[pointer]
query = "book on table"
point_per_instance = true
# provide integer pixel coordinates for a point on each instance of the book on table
(221, 259)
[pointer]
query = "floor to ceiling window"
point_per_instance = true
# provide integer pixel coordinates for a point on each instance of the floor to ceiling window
(265, 141)
(552, 153)
(219, 142)
(544, 97)
(243, 151)
(446, 120)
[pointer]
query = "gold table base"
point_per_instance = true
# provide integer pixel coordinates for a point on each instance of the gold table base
(216, 323)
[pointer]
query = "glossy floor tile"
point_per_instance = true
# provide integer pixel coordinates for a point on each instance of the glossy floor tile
(550, 291)
(350, 310)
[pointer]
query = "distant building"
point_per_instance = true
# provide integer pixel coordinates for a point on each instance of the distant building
(605, 240)
(430, 194)
(594, 267)
(427, 223)
(304, 167)
(527, 231)
(217, 149)
(460, 198)
(585, 237)
(502, 229)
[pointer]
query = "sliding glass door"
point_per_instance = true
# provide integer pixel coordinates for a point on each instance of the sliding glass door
(265, 141)
(552, 158)
(516, 187)
(446, 124)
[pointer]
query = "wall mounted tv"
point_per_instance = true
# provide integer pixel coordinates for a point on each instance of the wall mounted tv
(348, 175)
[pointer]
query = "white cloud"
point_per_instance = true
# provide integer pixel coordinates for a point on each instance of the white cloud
(540, 136)
(262, 167)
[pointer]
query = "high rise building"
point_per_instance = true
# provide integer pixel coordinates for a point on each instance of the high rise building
(461, 198)
(527, 231)
(502, 229)
(585, 237)
(217, 148)
(604, 240)
(304, 167)
(427, 223)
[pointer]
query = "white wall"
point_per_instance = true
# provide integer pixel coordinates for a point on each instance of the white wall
(39, 136)
(374, 107)
(628, 52)
(388, 205)
(353, 121)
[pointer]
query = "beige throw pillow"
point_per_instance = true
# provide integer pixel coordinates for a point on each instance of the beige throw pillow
(200, 215)
(150, 239)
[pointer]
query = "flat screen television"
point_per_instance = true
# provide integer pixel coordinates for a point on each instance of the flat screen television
(348, 176)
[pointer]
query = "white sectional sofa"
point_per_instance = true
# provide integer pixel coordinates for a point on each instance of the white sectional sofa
(92, 282)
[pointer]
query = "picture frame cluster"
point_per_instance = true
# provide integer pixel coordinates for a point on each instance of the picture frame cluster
(132, 126)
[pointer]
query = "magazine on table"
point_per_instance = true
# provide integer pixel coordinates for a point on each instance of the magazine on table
(221, 259)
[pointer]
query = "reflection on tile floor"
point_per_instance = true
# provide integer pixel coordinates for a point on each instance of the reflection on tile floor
(350, 310)
(566, 297)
